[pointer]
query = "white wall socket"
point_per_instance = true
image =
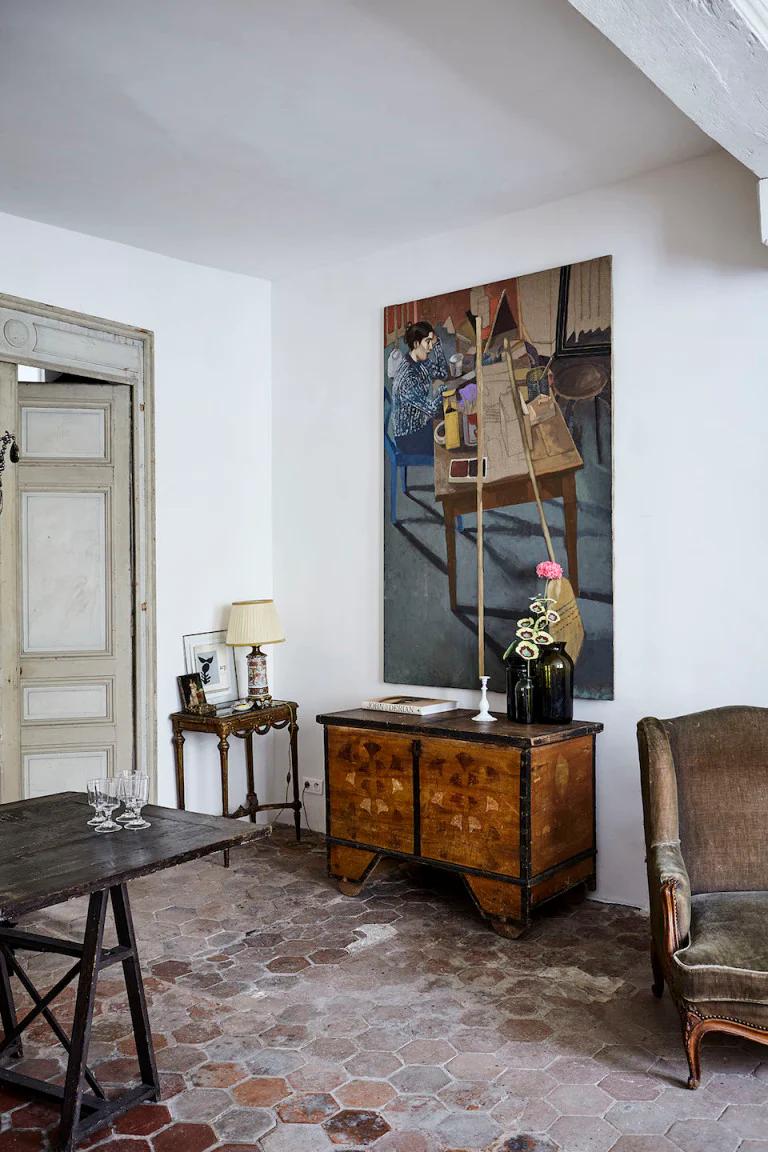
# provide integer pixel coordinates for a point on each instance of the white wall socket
(313, 784)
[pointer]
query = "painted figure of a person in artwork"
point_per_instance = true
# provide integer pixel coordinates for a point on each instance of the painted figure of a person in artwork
(415, 400)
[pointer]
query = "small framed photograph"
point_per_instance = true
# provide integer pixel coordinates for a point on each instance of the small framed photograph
(192, 694)
(206, 654)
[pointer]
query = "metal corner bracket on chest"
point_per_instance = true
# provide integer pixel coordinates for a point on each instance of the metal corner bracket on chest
(512, 810)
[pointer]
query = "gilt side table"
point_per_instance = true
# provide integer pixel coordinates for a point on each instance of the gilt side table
(243, 725)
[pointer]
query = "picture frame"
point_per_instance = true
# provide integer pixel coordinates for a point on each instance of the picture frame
(192, 694)
(207, 654)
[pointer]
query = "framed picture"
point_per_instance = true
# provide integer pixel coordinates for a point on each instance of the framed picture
(206, 654)
(192, 694)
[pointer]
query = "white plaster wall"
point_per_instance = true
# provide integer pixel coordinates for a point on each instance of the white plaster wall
(690, 372)
(212, 398)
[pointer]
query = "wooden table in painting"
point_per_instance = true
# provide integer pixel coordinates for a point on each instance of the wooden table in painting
(556, 461)
(510, 807)
(258, 721)
(48, 854)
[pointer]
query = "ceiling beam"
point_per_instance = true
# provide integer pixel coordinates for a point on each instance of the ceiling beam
(709, 57)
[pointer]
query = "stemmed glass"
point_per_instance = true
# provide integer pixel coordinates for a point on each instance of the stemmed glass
(93, 800)
(139, 794)
(125, 792)
(107, 799)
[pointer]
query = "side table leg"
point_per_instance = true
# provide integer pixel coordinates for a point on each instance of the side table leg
(294, 733)
(81, 1028)
(252, 798)
(178, 751)
(8, 1008)
(224, 760)
(134, 985)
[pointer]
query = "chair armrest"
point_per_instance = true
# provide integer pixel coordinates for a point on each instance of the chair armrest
(668, 870)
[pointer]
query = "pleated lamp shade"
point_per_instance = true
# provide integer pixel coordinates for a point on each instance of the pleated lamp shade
(253, 622)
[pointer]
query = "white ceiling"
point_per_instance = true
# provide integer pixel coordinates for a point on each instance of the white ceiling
(266, 136)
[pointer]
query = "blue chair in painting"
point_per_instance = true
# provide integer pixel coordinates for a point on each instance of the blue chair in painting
(398, 459)
(404, 460)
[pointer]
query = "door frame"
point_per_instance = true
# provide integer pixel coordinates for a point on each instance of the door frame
(57, 339)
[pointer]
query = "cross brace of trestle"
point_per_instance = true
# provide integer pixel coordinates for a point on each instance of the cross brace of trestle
(81, 1112)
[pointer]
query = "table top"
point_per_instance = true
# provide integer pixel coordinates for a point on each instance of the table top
(226, 717)
(460, 725)
(553, 450)
(48, 853)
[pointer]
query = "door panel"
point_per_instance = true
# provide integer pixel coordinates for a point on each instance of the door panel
(73, 591)
(49, 433)
(44, 771)
(65, 571)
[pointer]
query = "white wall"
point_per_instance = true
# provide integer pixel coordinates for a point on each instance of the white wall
(691, 414)
(212, 343)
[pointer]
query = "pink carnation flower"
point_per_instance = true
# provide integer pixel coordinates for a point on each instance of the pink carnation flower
(549, 570)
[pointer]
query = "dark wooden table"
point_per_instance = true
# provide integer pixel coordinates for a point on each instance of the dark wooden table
(244, 725)
(48, 854)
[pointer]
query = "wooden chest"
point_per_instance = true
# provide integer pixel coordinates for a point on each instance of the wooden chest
(509, 807)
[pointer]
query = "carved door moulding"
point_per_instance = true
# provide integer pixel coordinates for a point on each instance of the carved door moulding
(43, 336)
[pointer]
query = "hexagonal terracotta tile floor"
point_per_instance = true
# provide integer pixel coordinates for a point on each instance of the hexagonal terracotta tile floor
(289, 1018)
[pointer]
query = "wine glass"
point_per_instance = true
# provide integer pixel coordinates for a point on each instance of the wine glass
(93, 800)
(125, 792)
(139, 796)
(108, 799)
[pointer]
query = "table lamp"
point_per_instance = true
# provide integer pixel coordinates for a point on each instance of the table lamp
(255, 622)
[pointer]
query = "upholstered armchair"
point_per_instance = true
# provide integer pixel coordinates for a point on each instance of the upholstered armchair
(705, 808)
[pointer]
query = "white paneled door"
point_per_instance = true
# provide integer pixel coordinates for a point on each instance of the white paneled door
(66, 586)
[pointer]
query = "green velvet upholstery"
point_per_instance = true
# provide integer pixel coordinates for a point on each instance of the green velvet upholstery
(704, 783)
(727, 956)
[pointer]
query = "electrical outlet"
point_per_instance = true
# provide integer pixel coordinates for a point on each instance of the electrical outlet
(313, 784)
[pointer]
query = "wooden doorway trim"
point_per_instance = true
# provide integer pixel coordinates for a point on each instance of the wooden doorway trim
(43, 336)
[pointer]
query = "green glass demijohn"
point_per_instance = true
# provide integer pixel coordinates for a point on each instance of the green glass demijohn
(554, 683)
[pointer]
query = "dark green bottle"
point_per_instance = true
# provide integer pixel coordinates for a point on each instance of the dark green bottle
(554, 682)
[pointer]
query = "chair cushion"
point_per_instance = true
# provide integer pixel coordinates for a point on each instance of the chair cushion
(726, 958)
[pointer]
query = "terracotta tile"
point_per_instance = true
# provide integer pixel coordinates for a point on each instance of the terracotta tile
(36, 1115)
(583, 1134)
(376, 1064)
(143, 1121)
(307, 1108)
(196, 1033)
(703, 1136)
(426, 1052)
(18, 1141)
(580, 1100)
(239, 1148)
(203, 1104)
(424, 1079)
(125, 1144)
(359, 1128)
(468, 1130)
(274, 1062)
(317, 1076)
(214, 1075)
(364, 1093)
(471, 1095)
(120, 1071)
(185, 1138)
(245, 1124)
(529, 1143)
(261, 1091)
(476, 1066)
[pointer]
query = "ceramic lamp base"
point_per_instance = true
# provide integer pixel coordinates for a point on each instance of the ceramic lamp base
(484, 715)
(258, 686)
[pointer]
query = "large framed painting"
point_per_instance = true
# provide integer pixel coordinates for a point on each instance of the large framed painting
(548, 335)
